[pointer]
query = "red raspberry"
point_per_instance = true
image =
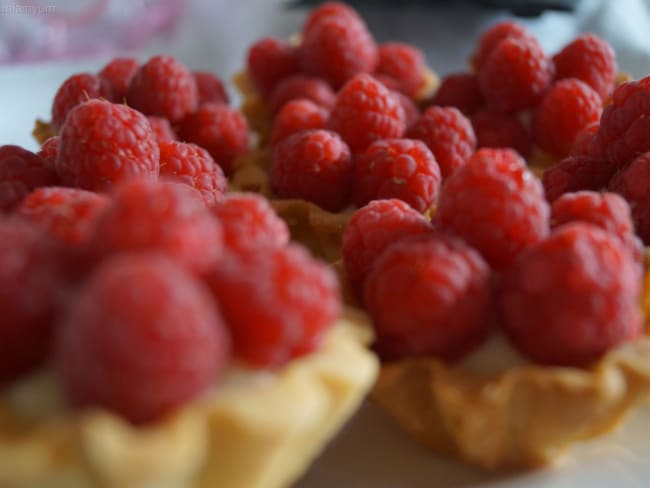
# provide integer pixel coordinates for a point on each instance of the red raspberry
(219, 129)
(77, 89)
(515, 75)
(494, 129)
(565, 110)
(388, 81)
(397, 168)
(625, 123)
(269, 61)
(366, 111)
(248, 221)
(67, 215)
(103, 143)
(278, 303)
(590, 59)
(582, 144)
(429, 296)
(117, 75)
(314, 165)
(48, 152)
(459, 90)
(496, 205)
(21, 171)
(210, 88)
(301, 86)
(141, 339)
(297, 115)
(404, 63)
(632, 183)
(449, 135)
(163, 86)
(576, 173)
(572, 297)
(608, 211)
(30, 297)
(165, 217)
(328, 9)
(493, 36)
(411, 110)
(161, 128)
(336, 48)
(188, 163)
(372, 229)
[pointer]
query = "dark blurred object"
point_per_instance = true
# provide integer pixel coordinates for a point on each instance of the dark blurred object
(521, 8)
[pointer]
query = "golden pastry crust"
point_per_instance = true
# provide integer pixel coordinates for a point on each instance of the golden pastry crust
(255, 430)
(43, 131)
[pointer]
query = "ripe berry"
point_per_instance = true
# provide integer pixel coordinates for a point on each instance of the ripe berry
(429, 296)
(278, 304)
(397, 168)
(496, 205)
(572, 297)
(161, 128)
(328, 9)
(219, 129)
(590, 59)
(459, 90)
(210, 88)
(515, 75)
(495, 129)
(117, 75)
(163, 86)
(314, 165)
(48, 152)
(103, 143)
(269, 61)
(163, 217)
(405, 64)
(366, 111)
(632, 183)
(493, 36)
(295, 116)
(576, 173)
(77, 89)
(21, 171)
(141, 339)
(449, 135)
(301, 86)
(189, 164)
(582, 144)
(371, 230)
(411, 110)
(568, 107)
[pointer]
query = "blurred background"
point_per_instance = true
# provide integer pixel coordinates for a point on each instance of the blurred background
(44, 41)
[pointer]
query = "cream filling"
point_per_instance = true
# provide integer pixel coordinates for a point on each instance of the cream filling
(495, 356)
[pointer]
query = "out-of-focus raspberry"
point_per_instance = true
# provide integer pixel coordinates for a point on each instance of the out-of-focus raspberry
(295, 116)
(77, 89)
(495, 129)
(117, 75)
(301, 86)
(49, 151)
(632, 183)
(328, 9)
(405, 64)
(21, 171)
(459, 90)
(582, 144)
(210, 88)
(493, 36)
(576, 173)
(269, 61)
(161, 128)
(411, 110)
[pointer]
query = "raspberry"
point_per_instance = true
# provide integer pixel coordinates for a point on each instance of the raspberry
(103, 143)
(568, 107)
(117, 75)
(496, 205)
(163, 86)
(572, 297)
(366, 111)
(301, 86)
(429, 296)
(30, 297)
(582, 144)
(269, 61)
(21, 171)
(67, 215)
(163, 217)
(141, 339)
(632, 183)
(189, 164)
(278, 303)
(328, 9)
(336, 48)
(314, 165)
(590, 59)
(411, 110)
(449, 135)
(161, 128)
(297, 115)
(388, 81)
(210, 88)
(459, 90)
(608, 211)
(371, 230)
(404, 63)
(249, 221)
(397, 168)
(625, 123)
(77, 89)
(491, 38)
(48, 152)
(515, 75)
(576, 173)
(494, 129)
(219, 129)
